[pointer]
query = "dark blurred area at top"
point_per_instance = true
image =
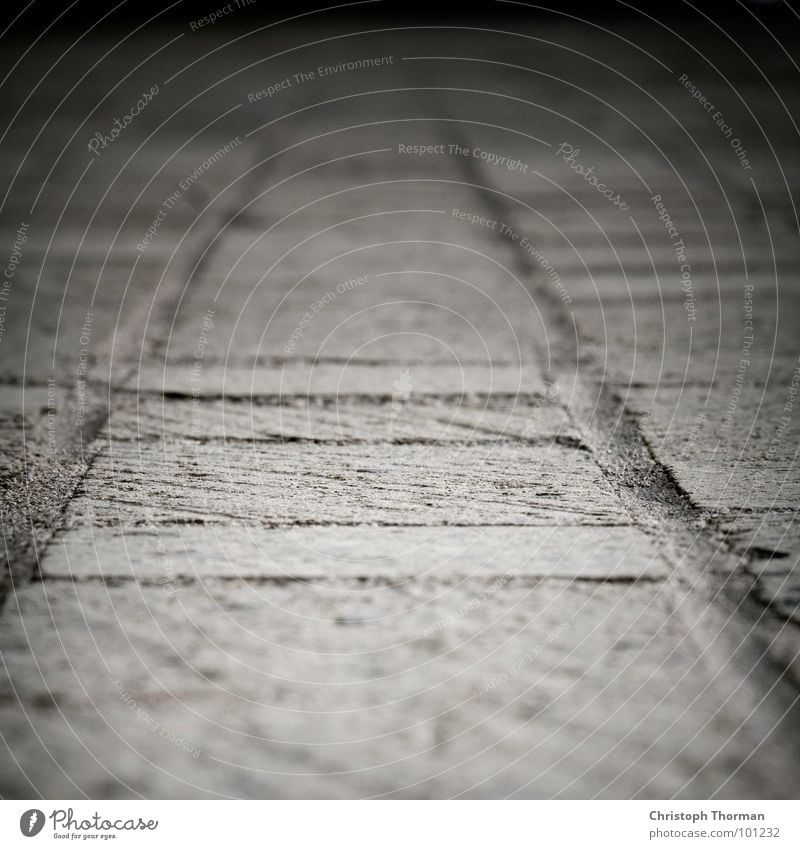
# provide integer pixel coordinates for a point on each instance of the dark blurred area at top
(39, 16)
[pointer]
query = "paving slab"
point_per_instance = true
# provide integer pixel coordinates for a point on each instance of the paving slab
(728, 452)
(402, 419)
(323, 379)
(504, 484)
(173, 554)
(445, 532)
(553, 690)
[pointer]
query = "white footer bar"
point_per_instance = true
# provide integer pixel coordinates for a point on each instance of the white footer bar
(402, 824)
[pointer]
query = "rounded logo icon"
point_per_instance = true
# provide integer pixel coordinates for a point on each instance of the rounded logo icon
(31, 822)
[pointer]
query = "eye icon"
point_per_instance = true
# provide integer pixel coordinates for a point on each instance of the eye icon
(31, 822)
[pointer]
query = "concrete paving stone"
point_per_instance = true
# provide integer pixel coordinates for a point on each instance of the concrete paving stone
(582, 239)
(559, 226)
(648, 133)
(737, 465)
(709, 235)
(22, 414)
(411, 220)
(658, 343)
(781, 593)
(764, 535)
(346, 311)
(558, 50)
(37, 475)
(124, 180)
(394, 215)
(334, 380)
(634, 167)
(503, 484)
(128, 187)
(556, 217)
(644, 285)
(333, 130)
(303, 619)
(770, 543)
(19, 402)
(328, 553)
(551, 195)
(108, 232)
(618, 257)
(424, 328)
(426, 264)
(302, 168)
(689, 203)
(554, 690)
(281, 292)
(559, 109)
(727, 457)
(404, 419)
(72, 233)
(45, 319)
(758, 427)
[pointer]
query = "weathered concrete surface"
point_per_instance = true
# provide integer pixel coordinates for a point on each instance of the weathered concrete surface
(403, 419)
(402, 474)
(551, 689)
(503, 484)
(164, 555)
(21, 411)
(333, 380)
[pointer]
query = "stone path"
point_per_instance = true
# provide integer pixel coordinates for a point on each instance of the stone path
(355, 444)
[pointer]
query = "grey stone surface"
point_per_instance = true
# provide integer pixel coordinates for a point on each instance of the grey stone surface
(731, 454)
(332, 380)
(554, 690)
(503, 519)
(504, 484)
(346, 420)
(164, 555)
(23, 412)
